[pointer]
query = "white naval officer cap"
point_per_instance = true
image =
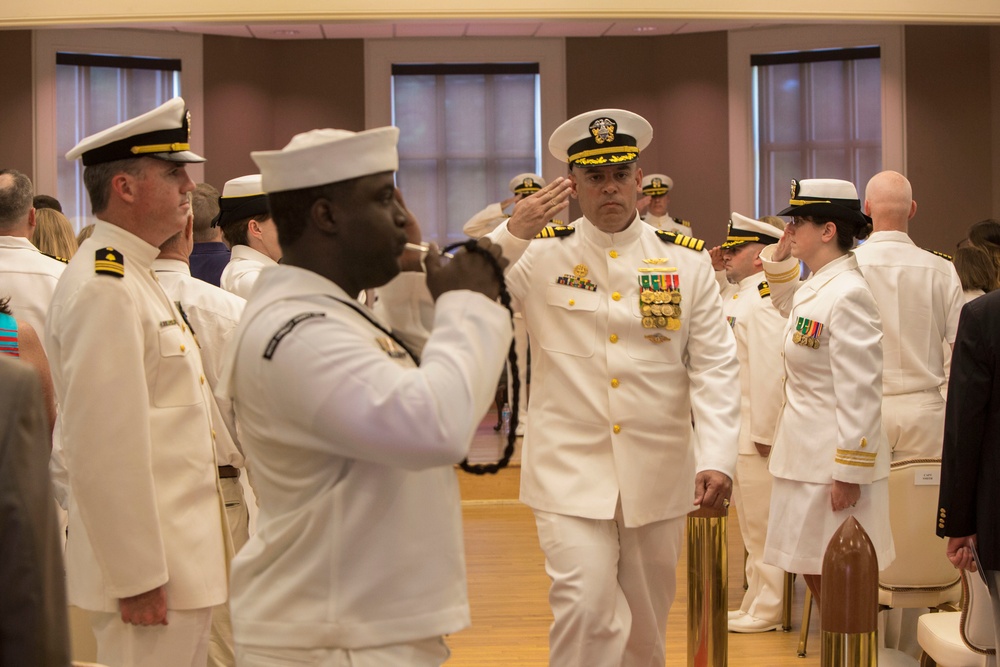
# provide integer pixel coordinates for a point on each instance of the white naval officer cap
(241, 198)
(825, 197)
(744, 230)
(655, 185)
(527, 184)
(319, 157)
(601, 137)
(163, 133)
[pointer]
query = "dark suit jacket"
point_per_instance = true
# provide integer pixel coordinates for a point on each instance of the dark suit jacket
(208, 260)
(970, 475)
(33, 625)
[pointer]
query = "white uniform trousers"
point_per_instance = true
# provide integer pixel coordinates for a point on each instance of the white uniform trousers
(914, 424)
(220, 648)
(183, 642)
(424, 653)
(612, 588)
(752, 494)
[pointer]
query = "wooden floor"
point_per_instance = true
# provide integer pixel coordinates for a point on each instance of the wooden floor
(508, 587)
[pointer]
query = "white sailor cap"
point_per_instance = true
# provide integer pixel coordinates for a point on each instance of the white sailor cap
(744, 230)
(655, 185)
(241, 198)
(319, 157)
(825, 197)
(601, 137)
(163, 133)
(526, 184)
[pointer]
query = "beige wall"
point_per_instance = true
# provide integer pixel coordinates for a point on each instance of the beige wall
(15, 101)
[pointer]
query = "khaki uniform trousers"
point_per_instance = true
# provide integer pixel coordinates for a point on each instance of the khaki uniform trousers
(220, 649)
(752, 495)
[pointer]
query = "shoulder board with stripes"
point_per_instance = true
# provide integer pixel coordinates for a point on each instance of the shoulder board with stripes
(939, 254)
(681, 240)
(57, 258)
(109, 262)
(286, 329)
(686, 223)
(764, 289)
(554, 232)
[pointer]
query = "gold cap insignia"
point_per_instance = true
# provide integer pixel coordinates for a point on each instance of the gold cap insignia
(603, 130)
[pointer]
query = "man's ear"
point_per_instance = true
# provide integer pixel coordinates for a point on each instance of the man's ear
(324, 215)
(32, 222)
(123, 186)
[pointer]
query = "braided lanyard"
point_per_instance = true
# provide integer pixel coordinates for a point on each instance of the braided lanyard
(484, 468)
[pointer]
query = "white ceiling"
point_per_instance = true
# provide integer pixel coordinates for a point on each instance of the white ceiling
(498, 28)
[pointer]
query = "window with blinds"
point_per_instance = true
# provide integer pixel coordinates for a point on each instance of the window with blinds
(465, 131)
(95, 92)
(817, 114)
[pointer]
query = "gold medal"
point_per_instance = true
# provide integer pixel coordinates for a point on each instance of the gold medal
(667, 310)
(661, 322)
(674, 324)
(646, 310)
(657, 309)
(814, 342)
(648, 323)
(797, 338)
(675, 298)
(647, 296)
(677, 311)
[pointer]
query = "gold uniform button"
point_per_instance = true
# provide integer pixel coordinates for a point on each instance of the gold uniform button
(614, 383)
(183, 348)
(572, 302)
(202, 379)
(613, 254)
(616, 428)
(616, 296)
(613, 338)
(213, 434)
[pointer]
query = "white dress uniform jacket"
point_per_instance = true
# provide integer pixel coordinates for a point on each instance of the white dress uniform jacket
(212, 313)
(830, 425)
(611, 401)
(485, 221)
(29, 278)
(758, 327)
(145, 508)
(919, 297)
(359, 540)
(245, 265)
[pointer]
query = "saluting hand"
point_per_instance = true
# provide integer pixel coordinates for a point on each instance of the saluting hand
(534, 212)
(784, 248)
(718, 264)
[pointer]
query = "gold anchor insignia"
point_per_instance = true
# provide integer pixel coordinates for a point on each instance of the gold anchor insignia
(656, 338)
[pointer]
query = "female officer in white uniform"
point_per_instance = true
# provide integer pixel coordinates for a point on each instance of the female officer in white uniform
(830, 458)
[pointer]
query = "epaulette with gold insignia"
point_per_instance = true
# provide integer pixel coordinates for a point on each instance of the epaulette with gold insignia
(681, 240)
(109, 262)
(939, 254)
(686, 223)
(57, 258)
(764, 289)
(554, 232)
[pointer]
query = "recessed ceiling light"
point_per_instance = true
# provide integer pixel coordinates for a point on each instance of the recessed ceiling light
(645, 28)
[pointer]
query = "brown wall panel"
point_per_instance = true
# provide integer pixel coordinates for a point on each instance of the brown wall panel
(16, 128)
(679, 84)
(949, 131)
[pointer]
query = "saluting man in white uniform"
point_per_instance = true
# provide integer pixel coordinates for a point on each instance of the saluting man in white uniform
(249, 231)
(656, 199)
(758, 327)
(627, 342)
(358, 555)
(147, 542)
(486, 221)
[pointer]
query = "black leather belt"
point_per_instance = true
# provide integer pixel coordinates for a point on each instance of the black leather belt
(227, 472)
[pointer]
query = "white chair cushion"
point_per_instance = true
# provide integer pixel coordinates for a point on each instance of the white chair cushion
(939, 636)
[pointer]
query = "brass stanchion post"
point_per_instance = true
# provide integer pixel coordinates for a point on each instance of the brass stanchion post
(708, 592)
(849, 606)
